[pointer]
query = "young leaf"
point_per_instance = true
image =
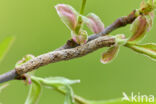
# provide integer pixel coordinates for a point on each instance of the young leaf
(55, 81)
(68, 15)
(60, 84)
(145, 49)
(34, 93)
(69, 97)
(110, 54)
(24, 60)
(73, 21)
(139, 29)
(95, 23)
(5, 45)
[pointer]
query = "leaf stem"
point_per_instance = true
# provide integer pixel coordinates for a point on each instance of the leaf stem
(80, 22)
(78, 99)
(83, 6)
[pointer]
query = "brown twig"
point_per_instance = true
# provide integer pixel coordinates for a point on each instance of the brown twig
(66, 54)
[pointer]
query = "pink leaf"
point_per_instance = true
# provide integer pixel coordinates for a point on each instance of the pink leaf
(68, 15)
(110, 54)
(139, 29)
(95, 23)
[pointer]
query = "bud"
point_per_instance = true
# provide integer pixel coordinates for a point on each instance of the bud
(152, 3)
(139, 29)
(120, 39)
(68, 15)
(95, 23)
(110, 54)
(147, 6)
(81, 38)
(24, 60)
(28, 80)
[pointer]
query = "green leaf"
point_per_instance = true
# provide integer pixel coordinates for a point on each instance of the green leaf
(145, 49)
(55, 81)
(69, 97)
(110, 54)
(34, 93)
(5, 45)
(60, 84)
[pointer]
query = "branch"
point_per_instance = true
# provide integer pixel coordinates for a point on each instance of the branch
(120, 22)
(66, 54)
(70, 50)
(8, 76)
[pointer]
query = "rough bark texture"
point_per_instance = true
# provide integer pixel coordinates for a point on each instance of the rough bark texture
(66, 54)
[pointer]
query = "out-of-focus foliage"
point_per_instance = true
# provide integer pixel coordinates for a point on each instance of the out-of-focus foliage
(59, 84)
(34, 93)
(4, 46)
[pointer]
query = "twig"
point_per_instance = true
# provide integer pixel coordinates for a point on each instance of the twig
(120, 22)
(70, 50)
(8, 76)
(66, 54)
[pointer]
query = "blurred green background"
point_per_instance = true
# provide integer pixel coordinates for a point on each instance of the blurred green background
(38, 30)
